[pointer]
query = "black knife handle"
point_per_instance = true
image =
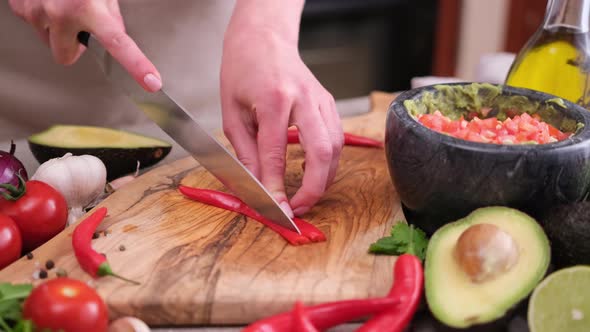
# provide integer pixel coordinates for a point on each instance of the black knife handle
(83, 37)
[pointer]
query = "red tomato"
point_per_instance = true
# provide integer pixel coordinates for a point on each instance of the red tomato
(10, 241)
(68, 305)
(40, 213)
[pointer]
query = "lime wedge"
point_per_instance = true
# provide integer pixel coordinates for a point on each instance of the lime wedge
(561, 302)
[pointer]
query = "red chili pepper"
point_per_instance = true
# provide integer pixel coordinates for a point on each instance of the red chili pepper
(309, 233)
(326, 315)
(301, 322)
(91, 261)
(405, 292)
(410, 287)
(349, 139)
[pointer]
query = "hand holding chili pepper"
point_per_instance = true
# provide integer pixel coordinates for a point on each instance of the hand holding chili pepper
(309, 233)
(91, 261)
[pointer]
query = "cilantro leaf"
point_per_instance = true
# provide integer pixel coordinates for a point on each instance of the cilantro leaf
(385, 245)
(404, 239)
(11, 298)
(10, 291)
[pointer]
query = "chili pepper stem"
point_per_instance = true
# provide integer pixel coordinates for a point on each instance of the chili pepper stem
(105, 270)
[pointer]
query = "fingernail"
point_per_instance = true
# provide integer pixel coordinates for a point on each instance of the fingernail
(287, 208)
(300, 210)
(152, 82)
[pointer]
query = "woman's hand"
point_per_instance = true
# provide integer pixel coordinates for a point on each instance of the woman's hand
(265, 88)
(58, 22)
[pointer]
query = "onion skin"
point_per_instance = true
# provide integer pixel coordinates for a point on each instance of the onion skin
(10, 166)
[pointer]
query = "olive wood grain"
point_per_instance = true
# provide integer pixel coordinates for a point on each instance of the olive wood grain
(199, 264)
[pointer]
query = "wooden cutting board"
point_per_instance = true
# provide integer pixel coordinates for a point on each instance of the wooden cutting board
(199, 264)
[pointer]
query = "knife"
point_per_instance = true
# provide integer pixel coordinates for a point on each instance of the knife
(186, 131)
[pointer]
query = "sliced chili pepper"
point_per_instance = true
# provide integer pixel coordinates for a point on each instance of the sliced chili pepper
(301, 322)
(91, 261)
(405, 292)
(349, 139)
(409, 284)
(309, 233)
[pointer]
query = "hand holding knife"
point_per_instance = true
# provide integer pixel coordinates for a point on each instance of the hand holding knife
(185, 130)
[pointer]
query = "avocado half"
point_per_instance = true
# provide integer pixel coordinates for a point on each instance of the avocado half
(119, 150)
(454, 298)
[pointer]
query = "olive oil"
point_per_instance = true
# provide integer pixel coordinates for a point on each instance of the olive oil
(556, 59)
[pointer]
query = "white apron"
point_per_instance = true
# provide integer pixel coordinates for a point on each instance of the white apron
(183, 38)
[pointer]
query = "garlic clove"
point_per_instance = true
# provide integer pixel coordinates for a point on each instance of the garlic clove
(128, 324)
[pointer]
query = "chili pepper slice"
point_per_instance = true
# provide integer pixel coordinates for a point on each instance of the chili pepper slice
(91, 261)
(309, 233)
(406, 291)
(301, 322)
(410, 286)
(349, 139)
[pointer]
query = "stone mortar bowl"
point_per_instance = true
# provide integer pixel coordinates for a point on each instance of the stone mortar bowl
(441, 178)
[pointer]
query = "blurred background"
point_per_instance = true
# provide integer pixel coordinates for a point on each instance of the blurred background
(354, 47)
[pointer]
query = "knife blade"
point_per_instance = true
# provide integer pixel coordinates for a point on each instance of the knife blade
(185, 130)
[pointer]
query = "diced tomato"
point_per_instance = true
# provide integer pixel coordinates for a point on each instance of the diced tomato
(489, 124)
(432, 121)
(475, 137)
(451, 127)
(522, 128)
(488, 133)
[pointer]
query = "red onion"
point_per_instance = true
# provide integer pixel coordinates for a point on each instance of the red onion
(10, 166)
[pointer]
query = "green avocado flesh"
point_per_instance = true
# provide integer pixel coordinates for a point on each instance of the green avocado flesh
(455, 101)
(64, 136)
(120, 151)
(454, 298)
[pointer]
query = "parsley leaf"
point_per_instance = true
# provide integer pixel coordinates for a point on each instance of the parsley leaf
(11, 298)
(404, 239)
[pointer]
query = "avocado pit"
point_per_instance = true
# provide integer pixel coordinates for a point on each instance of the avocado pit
(484, 251)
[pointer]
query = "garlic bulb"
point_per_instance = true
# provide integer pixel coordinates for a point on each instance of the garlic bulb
(80, 179)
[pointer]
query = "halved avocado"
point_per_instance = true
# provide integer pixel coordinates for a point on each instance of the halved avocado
(512, 254)
(119, 150)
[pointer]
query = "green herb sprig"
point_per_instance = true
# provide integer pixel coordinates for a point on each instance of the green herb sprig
(404, 239)
(11, 300)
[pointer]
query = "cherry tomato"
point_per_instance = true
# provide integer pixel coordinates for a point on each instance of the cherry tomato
(10, 241)
(40, 213)
(68, 305)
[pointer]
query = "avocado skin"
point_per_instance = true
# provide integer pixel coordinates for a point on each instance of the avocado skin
(568, 229)
(118, 161)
